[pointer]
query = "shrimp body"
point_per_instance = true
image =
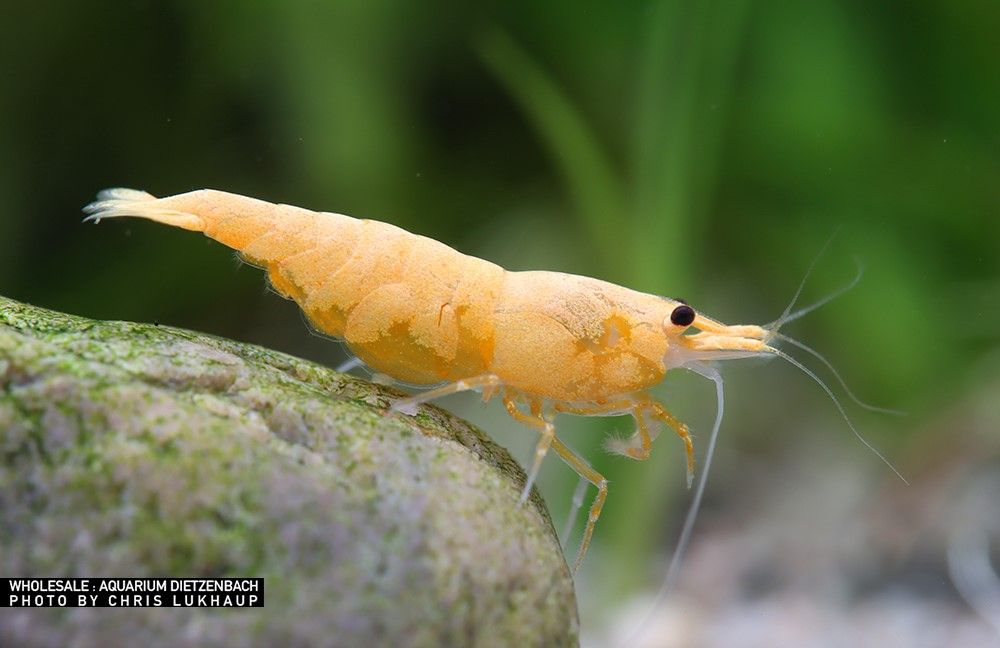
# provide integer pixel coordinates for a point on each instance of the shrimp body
(422, 312)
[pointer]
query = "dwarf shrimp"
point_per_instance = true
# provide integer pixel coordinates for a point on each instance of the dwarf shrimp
(421, 312)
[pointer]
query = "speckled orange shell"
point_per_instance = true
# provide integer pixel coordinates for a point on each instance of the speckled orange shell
(424, 313)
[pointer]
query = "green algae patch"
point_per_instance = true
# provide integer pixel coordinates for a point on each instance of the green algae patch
(139, 450)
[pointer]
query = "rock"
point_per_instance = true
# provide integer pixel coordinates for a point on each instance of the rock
(138, 450)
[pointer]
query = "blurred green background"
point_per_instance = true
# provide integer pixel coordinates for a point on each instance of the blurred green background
(703, 150)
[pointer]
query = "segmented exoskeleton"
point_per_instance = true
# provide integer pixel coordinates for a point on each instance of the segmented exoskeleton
(421, 312)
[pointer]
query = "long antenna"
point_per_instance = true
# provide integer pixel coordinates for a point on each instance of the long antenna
(785, 317)
(685, 538)
(840, 408)
(829, 365)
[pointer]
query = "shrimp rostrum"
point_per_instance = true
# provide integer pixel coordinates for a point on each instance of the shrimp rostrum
(413, 308)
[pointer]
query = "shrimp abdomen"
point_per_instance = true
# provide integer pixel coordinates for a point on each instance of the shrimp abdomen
(407, 305)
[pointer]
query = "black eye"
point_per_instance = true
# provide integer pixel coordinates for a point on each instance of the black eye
(683, 315)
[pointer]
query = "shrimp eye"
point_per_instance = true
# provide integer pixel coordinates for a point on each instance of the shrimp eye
(683, 315)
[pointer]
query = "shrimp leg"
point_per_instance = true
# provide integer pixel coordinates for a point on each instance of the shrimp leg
(546, 433)
(574, 508)
(487, 382)
(660, 413)
(548, 440)
(640, 406)
(349, 364)
(597, 479)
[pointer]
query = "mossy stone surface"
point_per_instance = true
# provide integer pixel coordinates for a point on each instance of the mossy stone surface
(139, 450)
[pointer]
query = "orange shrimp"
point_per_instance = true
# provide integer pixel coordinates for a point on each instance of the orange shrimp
(421, 312)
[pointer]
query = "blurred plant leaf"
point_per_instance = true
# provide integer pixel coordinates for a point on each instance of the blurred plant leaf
(571, 143)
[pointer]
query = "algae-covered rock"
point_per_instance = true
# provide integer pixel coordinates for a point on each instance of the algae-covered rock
(139, 450)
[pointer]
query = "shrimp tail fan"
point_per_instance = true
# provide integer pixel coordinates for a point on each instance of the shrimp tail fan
(117, 203)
